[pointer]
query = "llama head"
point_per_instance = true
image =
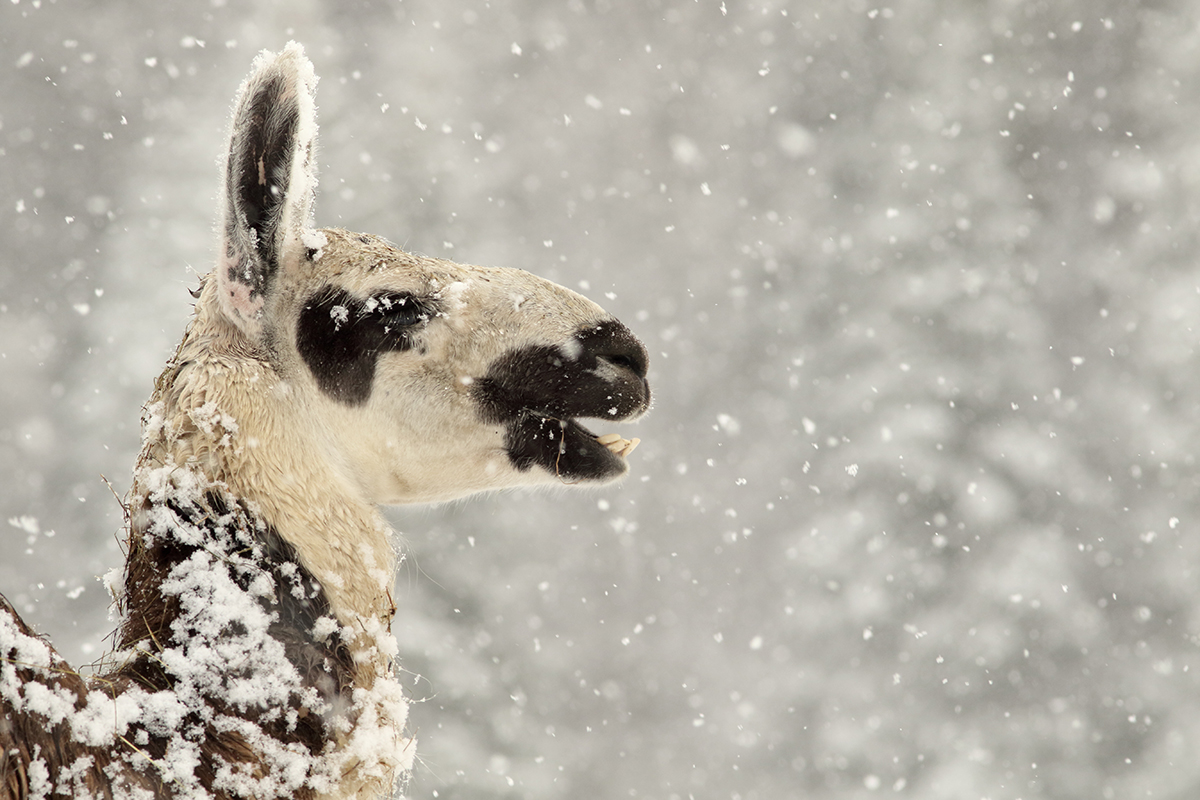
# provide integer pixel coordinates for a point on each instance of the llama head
(424, 379)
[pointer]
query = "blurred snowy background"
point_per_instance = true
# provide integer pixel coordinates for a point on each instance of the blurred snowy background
(916, 512)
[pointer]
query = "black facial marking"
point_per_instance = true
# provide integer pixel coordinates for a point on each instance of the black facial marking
(340, 338)
(536, 392)
(567, 381)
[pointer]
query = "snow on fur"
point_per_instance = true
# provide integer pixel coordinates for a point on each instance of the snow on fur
(227, 673)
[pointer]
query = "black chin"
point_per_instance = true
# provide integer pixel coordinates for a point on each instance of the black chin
(562, 447)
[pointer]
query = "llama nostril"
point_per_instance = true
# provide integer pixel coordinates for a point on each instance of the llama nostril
(625, 362)
(625, 353)
(613, 343)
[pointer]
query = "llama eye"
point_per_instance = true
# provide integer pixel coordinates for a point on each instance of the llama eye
(405, 318)
(398, 310)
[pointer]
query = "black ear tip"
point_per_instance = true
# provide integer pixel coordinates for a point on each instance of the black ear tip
(276, 80)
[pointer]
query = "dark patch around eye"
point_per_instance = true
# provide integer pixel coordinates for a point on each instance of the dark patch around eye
(340, 338)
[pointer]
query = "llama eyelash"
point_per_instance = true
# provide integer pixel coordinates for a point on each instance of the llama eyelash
(324, 373)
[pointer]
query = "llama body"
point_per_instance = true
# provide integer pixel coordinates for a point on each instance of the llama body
(323, 373)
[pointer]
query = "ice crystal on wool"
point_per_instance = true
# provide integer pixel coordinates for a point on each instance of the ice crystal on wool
(228, 672)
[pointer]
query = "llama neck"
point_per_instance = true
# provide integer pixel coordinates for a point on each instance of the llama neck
(255, 552)
(229, 421)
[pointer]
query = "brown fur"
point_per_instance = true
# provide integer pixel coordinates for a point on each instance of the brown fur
(146, 631)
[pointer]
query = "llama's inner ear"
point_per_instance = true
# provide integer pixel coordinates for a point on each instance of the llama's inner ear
(270, 179)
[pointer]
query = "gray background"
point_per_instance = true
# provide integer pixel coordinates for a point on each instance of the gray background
(915, 513)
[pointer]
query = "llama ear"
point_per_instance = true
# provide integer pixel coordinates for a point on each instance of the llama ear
(270, 178)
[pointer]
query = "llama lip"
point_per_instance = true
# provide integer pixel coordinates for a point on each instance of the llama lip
(566, 448)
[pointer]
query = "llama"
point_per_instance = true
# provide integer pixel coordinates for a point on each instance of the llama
(323, 373)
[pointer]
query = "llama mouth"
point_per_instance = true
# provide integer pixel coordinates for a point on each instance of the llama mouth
(538, 393)
(566, 448)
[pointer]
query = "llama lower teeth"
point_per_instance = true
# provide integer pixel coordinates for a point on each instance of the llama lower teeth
(618, 444)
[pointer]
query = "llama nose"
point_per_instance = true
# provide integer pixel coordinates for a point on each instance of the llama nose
(611, 343)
